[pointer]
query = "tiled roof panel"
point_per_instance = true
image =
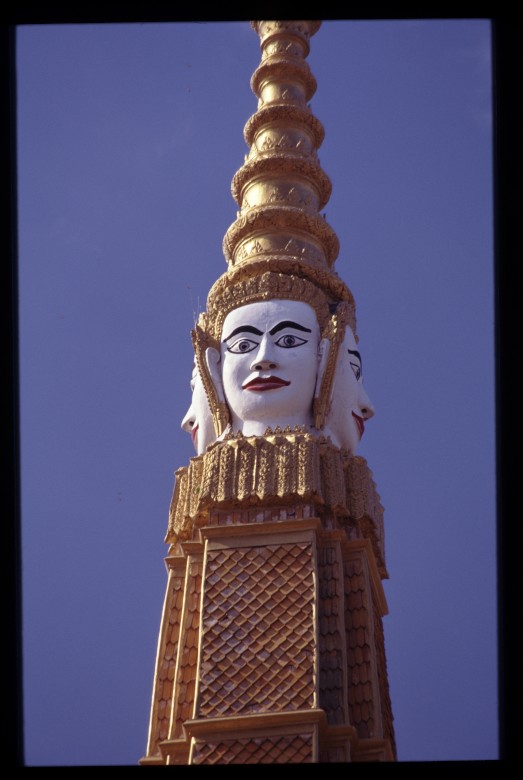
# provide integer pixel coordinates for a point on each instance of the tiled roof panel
(258, 630)
(289, 749)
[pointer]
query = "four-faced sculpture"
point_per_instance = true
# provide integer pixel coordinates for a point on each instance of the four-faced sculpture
(269, 369)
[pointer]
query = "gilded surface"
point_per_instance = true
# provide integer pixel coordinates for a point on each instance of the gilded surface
(166, 662)
(276, 468)
(334, 331)
(284, 137)
(286, 156)
(297, 120)
(187, 658)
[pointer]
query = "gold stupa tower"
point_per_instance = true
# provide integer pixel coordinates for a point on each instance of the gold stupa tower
(271, 646)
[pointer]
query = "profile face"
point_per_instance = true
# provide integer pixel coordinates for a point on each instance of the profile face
(350, 405)
(198, 420)
(269, 357)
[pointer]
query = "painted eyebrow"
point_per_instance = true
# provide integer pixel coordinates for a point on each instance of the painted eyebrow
(243, 329)
(288, 324)
(276, 329)
(355, 352)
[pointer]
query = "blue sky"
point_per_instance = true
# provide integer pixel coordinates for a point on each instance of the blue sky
(128, 138)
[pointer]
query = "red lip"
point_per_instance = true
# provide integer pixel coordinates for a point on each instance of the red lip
(193, 434)
(260, 383)
(359, 423)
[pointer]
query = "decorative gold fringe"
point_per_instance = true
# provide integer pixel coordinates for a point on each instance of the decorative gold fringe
(281, 468)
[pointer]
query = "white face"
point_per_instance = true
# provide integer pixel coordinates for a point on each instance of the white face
(350, 404)
(198, 419)
(269, 357)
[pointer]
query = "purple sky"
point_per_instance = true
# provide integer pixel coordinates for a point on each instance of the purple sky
(128, 138)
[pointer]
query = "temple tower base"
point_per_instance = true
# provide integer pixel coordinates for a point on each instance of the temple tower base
(271, 648)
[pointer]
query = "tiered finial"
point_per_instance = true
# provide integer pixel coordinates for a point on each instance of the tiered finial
(281, 188)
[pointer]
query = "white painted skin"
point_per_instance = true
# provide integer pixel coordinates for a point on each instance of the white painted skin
(350, 405)
(198, 420)
(269, 365)
(289, 354)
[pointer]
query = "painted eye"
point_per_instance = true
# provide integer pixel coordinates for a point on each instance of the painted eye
(288, 341)
(242, 346)
(357, 370)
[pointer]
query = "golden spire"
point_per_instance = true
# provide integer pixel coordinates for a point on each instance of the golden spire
(282, 188)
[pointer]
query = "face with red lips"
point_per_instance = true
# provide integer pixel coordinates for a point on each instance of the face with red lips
(269, 358)
(350, 405)
(198, 420)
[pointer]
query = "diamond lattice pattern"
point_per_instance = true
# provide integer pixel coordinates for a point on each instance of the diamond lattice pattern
(258, 635)
(291, 749)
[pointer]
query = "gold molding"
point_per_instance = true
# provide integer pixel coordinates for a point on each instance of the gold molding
(279, 114)
(278, 468)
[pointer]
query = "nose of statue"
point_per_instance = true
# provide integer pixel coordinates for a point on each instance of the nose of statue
(366, 407)
(264, 358)
(263, 365)
(188, 421)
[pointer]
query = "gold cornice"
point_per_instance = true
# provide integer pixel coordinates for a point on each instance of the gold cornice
(256, 724)
(292, 231)
(280, 467)
(282, 531)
